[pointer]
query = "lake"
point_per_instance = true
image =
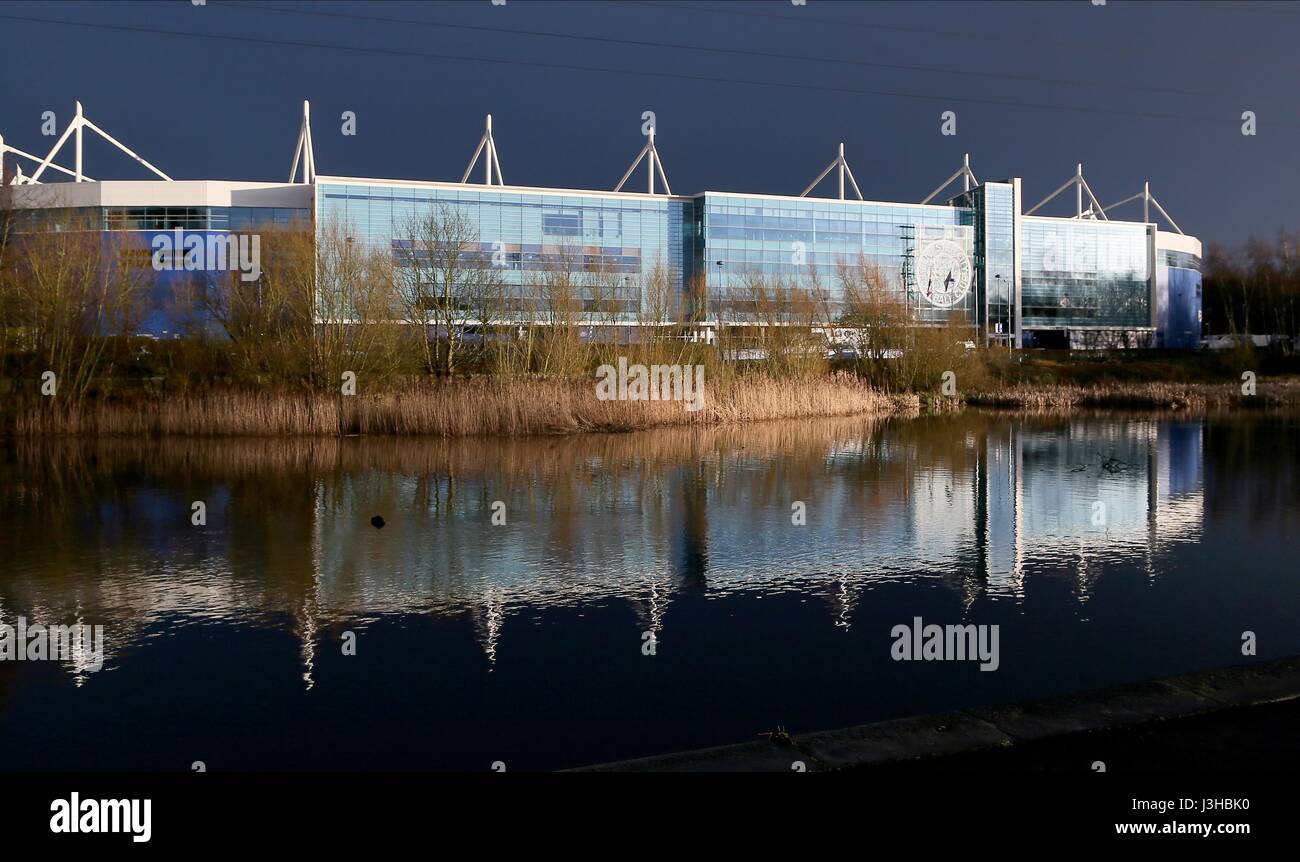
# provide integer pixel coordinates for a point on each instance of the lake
(646, 593)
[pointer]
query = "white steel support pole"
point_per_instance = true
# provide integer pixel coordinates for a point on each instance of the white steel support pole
(965, 172)
(115, 142)
(45, 163)
(1146, 201)
(2, 160)
(487, 162)
(654, 156)
(79, 122)
(474, 158)
(297, 155)
(663, 177)
(820, 177)
(309, 156)
(1166, 215)
(852, 182)
(637, 161)
(311, 160)
(841, 170)
(1078, 191)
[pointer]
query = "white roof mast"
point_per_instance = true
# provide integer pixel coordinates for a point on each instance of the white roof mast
(656, 164)
(967, 179)
(1147, 200)
(304, 152)
(77, 127)
(490, 161)
(843, 165)
(1080, 186)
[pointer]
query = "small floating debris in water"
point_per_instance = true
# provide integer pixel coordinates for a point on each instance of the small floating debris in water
(377, 522)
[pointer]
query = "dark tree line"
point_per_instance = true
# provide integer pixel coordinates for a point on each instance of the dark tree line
(1255, 289)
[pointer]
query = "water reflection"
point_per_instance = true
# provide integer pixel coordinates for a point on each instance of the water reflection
(522, 642)
(102, 530)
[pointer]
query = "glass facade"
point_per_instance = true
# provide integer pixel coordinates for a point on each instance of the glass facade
(711, 251)
(1081, 273)
(802, 239)
(995, 255)
(615, 242)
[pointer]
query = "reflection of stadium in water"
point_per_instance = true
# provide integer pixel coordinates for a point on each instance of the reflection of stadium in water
(877, 508)
(975, 505)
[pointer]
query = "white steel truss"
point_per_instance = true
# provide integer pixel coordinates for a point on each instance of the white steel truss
(655, 164)
(967, 179)
(491, 164)
(1080, 187)
(843, 165)
(19, 177)
(76, 129)
(304, 151)
(1147, 200)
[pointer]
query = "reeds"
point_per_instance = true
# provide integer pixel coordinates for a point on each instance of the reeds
(1172, 396)
(456, 408)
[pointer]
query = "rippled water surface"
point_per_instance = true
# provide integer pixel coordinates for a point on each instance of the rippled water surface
(523, 642)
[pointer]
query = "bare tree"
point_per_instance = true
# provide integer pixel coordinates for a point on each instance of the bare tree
(269, 322)
(66, 293)
(446, 277)
(559, 290)
(358, 311)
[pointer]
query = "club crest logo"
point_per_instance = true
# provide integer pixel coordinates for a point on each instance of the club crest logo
(943, 272)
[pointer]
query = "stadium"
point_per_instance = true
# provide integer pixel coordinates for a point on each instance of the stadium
(974, 254)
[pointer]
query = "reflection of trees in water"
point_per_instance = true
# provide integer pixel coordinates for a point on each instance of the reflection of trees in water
(1252, 474)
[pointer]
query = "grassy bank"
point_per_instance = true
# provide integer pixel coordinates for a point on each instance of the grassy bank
(456, 408)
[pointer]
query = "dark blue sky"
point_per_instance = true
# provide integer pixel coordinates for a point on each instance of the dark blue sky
(1133, 90)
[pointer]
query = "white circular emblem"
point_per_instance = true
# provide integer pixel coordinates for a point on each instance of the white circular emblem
(943, 272)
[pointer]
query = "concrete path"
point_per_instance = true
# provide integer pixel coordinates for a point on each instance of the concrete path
(1216, 714)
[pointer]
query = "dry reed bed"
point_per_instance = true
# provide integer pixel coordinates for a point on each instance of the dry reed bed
(1177, 396)
(459, 408)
